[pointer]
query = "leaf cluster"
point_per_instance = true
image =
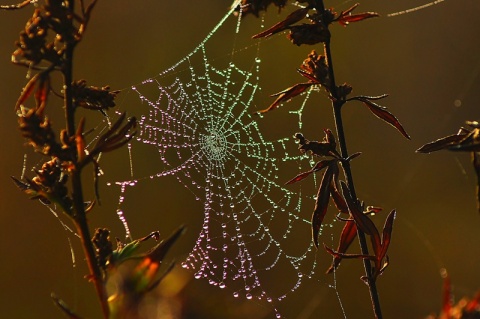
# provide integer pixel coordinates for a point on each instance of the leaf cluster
(309, 25)
(46, 47)
(356, 214)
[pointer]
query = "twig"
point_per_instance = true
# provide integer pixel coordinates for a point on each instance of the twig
(337, 104)
(17, 6)
(77, 189)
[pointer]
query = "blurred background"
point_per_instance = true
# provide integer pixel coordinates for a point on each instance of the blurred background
(427, 61)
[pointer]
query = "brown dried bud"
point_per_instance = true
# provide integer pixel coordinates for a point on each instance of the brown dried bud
(50, 174)
(343, 91)
(91, 97)
(50, 184)
(325, 148)
(37, 129)
(103, 247)
(308, 34)
(32, 39)
(316, 69)
(255, 6)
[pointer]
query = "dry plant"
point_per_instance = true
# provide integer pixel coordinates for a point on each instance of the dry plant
(46, 47)
(332, 151)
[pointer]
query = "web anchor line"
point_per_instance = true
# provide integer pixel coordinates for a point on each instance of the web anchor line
(417, 8)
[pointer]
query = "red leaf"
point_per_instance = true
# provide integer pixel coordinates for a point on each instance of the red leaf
(363, 221)
(286, 95)
(447, 295)
(349, 232)
(353, 156)
(346, 19)
(382, 113)
(441, 143)
(349, 10)
(473, 304)
(42, 91)
(321, 203)
(386, 235)
(292, 18)
(309, 76)
(27, 91)
(338, 199)
(318, 166)
(299, 177)
(373, 210)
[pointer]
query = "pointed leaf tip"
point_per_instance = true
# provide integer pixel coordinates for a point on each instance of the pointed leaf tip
(286, 95)
(321, 204)
(158, 252)
(349, 232)
(387, 234)
(347, 19)
(292, 18)
(441, 143)
(318, 166)
(382, 113)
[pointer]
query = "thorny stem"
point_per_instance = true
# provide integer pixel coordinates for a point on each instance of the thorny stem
(77, 189)
(337, 104)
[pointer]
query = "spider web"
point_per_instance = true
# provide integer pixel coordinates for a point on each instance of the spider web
(198, 118)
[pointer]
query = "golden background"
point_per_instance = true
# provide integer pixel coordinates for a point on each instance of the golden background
(427, 61)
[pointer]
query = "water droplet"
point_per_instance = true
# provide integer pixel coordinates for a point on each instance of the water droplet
(249, 296)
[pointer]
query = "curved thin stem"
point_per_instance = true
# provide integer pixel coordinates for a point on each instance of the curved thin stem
(79, 215)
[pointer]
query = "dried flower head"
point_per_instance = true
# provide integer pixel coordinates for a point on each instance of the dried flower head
(325, 148)
(308, 34)
(91, 97)
(103, 247)
(256, 6)
(315, 68)
(37, 129)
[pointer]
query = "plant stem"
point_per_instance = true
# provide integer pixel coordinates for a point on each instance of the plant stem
(337, 104)
(84, 232)
(361, 235)
(79, 214)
